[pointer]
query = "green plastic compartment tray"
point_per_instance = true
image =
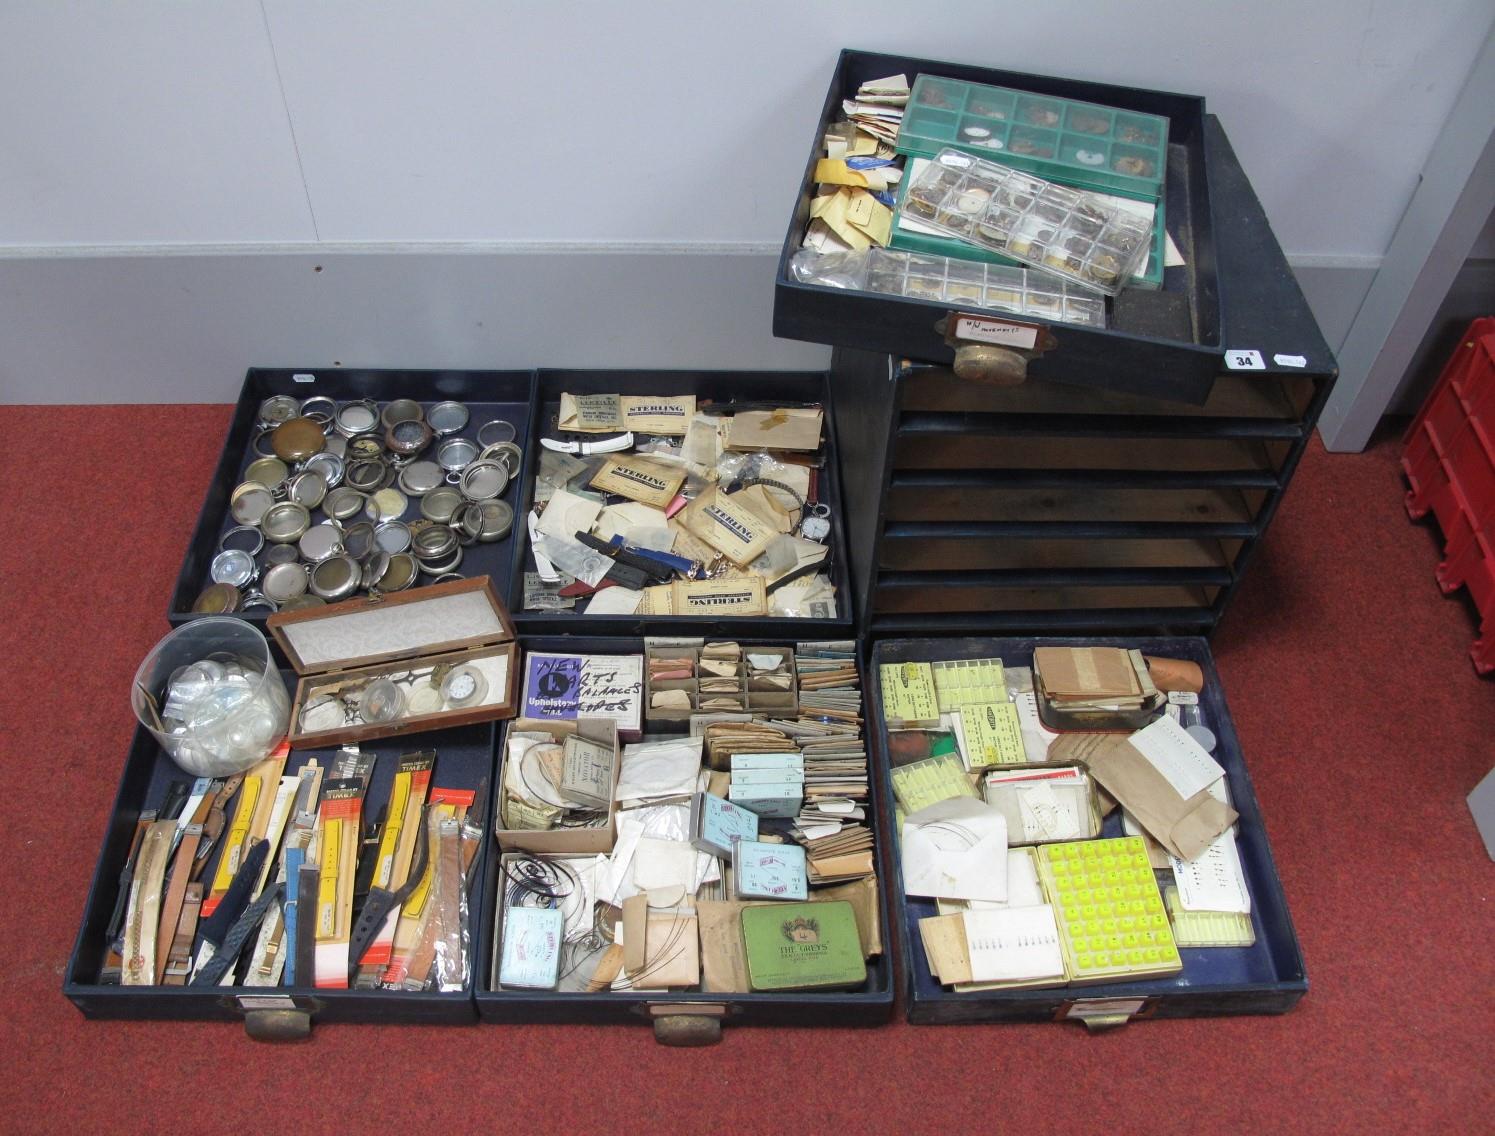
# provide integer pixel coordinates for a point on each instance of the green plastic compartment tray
(1078, 144)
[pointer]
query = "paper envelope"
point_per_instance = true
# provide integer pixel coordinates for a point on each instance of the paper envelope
(790, 428)
(1184, 826)
(956, 849)
(568, 514)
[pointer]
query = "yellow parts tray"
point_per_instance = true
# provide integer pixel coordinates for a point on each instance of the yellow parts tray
(966, 682)
(1208, 928)
(1112, 924)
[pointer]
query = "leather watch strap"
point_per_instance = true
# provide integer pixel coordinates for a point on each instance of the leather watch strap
(144, 913)
(305, 946)
(179, 960)
(176, 893)
(176, 799)
(215, 822)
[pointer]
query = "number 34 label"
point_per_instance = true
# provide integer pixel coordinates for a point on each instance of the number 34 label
(1244, 361)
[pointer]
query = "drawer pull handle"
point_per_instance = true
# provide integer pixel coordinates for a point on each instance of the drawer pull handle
(995, 366)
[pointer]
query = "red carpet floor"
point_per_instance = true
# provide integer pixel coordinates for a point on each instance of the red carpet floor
(1361, 718)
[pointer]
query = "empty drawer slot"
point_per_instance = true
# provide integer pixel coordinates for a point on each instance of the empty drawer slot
(924, 503)
(1062, 453)
(957, 554)
(978, 598)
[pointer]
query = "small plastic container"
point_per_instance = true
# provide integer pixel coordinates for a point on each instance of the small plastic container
(1077, 143)
(991, 287)
(1080, 236)
(212, 697)
(909, 235)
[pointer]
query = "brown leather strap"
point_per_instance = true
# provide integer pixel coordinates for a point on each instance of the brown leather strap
(204, 807)
(217, 818)
(176, 892)
(179, 961)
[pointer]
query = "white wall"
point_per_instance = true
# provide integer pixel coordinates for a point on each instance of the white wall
(668, 129)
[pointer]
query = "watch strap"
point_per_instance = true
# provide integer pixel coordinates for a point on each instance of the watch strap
(114, 936)
(305, 946)
(381, 901)
(215, 927)
(216, 821)
(179, 959)
(176, 799)
(176, 893)
(295, 857)
(216, 968)
(144, 912)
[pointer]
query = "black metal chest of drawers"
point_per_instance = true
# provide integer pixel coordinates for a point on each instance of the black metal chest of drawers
(1057, 507)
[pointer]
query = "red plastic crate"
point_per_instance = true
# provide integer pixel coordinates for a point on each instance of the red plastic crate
(1472, 462)
(1473, 380)
(1449, 460)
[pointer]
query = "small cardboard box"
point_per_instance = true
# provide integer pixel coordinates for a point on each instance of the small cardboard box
(587, 841)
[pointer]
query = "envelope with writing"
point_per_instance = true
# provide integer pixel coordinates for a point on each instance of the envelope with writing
(1164, 785)
(956, 849)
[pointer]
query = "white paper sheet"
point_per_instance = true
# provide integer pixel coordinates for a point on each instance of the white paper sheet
(1186, 764)
(1214, 880)
(1036, 736)
(956, 849)
(615, 601)
(1013, 944)
(659, 769)
(664, 866)
(569, 513)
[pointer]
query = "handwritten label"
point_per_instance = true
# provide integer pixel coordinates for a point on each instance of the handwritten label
(1290, 360)
(1001, 332)
(303, 377)
(585, 686)
(1237, 360)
